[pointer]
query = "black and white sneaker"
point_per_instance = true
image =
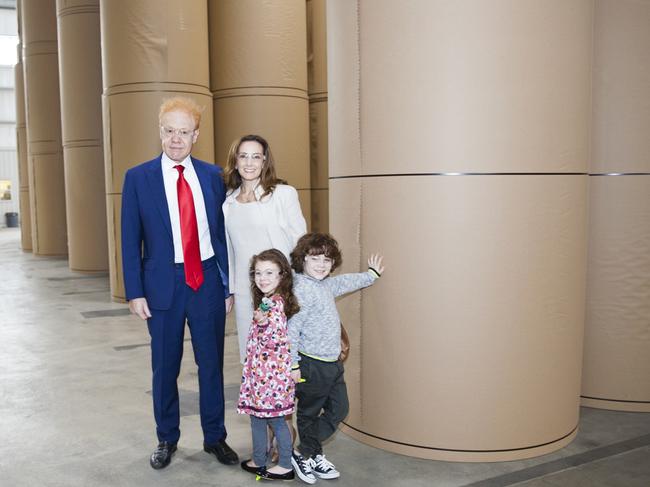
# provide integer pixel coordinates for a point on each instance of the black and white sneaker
(302, 466)
(323, 468)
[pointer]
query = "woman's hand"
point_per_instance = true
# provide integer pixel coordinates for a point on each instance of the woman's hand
(376, 262)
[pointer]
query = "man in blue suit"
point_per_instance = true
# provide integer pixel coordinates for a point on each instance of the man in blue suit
(175, 268)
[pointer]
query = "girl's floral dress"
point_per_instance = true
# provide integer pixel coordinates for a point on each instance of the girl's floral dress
(267, 389)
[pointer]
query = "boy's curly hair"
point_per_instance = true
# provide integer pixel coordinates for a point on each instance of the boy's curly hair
(316, 244)
(285, 287)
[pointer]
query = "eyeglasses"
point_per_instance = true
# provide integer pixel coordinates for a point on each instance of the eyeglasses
(255, 156)
(267, 274)
(168, 132)
(318, 259)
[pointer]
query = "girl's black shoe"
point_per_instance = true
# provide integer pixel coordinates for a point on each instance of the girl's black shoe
(254, 470)
(278, 476)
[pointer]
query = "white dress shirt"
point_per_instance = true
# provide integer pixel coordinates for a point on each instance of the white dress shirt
(170, 177)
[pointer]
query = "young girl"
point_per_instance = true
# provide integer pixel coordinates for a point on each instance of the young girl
(267, 389)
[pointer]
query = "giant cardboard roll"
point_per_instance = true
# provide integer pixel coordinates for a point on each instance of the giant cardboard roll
(317, 81)
(149, 53)
(21, 145)
(43, 118)
(81, 117)
(259, 82)
(617, 349)
(460, 152)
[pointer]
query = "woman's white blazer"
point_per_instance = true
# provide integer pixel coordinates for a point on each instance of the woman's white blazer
(281, 212)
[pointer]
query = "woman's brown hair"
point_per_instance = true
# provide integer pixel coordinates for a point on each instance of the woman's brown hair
(268, 178)
(316, 244)
(285, 287)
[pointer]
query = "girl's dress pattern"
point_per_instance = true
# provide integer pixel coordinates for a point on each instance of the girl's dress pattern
(267, 389)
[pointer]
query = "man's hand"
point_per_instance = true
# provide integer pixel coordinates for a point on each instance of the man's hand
(139, 306)
(230, 300)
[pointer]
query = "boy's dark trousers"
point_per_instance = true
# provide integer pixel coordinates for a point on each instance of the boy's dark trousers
(324, 389)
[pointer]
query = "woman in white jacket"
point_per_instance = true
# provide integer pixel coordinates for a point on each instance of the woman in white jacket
(261, 212)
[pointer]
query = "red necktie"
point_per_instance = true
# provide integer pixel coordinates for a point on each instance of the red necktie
(189, 232)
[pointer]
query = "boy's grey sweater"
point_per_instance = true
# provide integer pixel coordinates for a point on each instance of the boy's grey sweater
(316, 329)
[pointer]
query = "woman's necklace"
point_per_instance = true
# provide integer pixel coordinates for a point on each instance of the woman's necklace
(248, 195)
(246, 198)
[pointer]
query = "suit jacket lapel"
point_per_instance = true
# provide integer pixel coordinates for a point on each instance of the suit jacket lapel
(208, 193)
(155, 178)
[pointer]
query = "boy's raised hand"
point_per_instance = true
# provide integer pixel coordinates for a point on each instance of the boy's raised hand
(376, 262)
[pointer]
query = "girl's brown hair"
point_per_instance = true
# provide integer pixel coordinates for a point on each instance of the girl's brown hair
(316, 244)
(285, 287)
(268, 178)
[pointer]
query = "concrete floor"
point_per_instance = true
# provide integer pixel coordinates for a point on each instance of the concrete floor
(75, 405)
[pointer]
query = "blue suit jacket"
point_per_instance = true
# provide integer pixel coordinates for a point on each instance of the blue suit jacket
(147, 242)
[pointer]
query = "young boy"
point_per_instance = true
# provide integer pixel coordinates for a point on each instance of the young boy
(315, 337)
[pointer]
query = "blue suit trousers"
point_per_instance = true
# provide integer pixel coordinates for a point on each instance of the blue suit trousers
(204, 311)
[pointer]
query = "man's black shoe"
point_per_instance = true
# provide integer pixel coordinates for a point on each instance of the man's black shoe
(162, 455)
(223, 452)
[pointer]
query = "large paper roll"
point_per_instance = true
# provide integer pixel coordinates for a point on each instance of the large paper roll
(616, 371)
(81, 119)
(459, 146)
(43, 118)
